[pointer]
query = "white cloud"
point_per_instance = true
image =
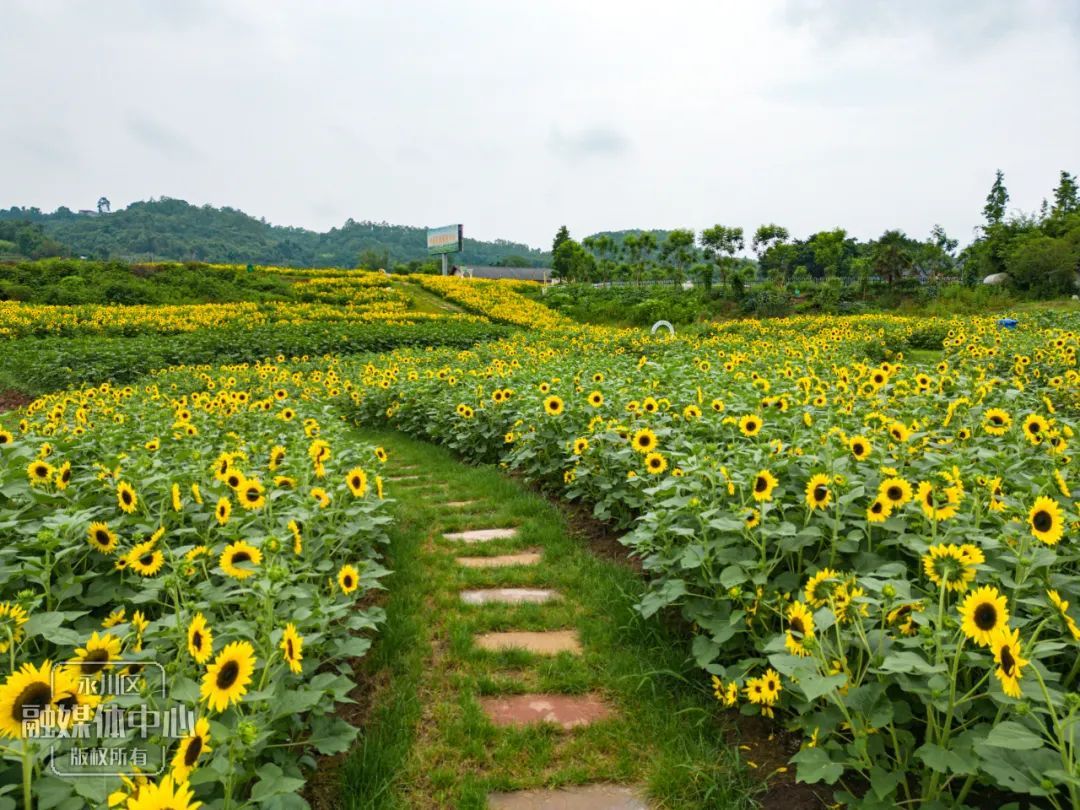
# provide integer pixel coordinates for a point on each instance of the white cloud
(515, 118)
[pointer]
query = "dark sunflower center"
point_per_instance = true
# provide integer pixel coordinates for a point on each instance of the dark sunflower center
(126, 496)
(894, 493)
(820, 492)
(985, 616)
(760, 484)
(191, 755)
(877, 508)
(771, 684)
(1008, 663)
(356, 483)
(798, 626)
(348, 581)
(1033, 428)
(995, 419)
(253, 495)
(241, 556)
(102, 537)
(196, 640)
(1042, 521)
(95, 661)
(289, 651)
(228, 674)
(35, 696)
(146, 559)
(858, 448)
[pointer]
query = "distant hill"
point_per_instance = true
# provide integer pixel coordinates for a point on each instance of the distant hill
(174, 230)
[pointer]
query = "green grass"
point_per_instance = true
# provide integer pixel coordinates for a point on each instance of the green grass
(427, 743)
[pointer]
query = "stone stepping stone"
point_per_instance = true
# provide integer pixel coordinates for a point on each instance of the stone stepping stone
(403, 478)
(480, 535)
(509, 596)
(502, 561)
(549, 643)
(565, 711)
(459, 504)
(583, 797)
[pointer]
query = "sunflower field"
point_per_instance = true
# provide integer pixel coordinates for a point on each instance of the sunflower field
(867, 525)
(198, 547)
(880, 552)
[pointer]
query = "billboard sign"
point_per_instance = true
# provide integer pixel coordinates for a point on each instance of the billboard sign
(447, 239)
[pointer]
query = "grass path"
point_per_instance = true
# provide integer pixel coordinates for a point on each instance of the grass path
(427, 743)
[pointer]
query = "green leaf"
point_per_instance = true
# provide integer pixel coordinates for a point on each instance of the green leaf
(1010, 734)
(273, 782)
(815, 766)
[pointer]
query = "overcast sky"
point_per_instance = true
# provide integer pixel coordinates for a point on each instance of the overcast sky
(514, 117)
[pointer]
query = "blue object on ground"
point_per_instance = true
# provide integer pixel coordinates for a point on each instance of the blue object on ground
(1008, 323)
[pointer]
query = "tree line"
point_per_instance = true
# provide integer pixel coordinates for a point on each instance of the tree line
(1034, 253)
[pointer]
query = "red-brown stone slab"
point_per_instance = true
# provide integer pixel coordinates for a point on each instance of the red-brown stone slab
(566, 711)
(552, 642)
(583, 797)
(502, 561)
(509, 596)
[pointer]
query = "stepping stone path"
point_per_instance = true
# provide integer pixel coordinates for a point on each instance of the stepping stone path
(586, 797)
(396, 478)
(551, 642)
(509, 596)
(459, 504)
(481, 535)
(567, 711)
(502, 561)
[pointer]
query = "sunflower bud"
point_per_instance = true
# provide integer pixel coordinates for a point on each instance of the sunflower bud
(248, 732)
(889, 592)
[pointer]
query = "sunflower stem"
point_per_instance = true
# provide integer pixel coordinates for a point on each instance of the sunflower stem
(27, 776)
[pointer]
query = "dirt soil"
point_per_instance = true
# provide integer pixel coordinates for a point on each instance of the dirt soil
(12, 400)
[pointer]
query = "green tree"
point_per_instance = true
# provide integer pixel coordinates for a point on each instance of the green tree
(1043, 265)
(1066, 196)
(720, 244)
(373, 259)
(767, 237)
(679, 253)
(891, 257)
(829, 250)
(559, 267)
(996, 201)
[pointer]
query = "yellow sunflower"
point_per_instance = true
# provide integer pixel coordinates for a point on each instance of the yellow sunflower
(194, 745)
(39, 472)
(655, 463)
(896, 490)
(144, 559)
(167, 794)
(12, 618)
(879, 510)
(750, 425)
(223, 511)
(26, 695)
(297, 535)
(321, 496)
(644, 441)
(226, 679)
(596, 399)
(126, 497)
(951, 566)
(101, 538)
(357, 481)
(200, 639)
(983, 612)
(348, 578)
(818, 492)
(800, 628)
(860, 447)
(764, 484)
(1046, 520)
(996, 422)
(98, 654)
(292, 648)
(240, 559)
(252, 495)
(938, 503)
(1035, 428)
(1010, 663)
(553, 405)
(820, 586)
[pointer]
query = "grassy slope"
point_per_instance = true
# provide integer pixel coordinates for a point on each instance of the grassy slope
(427, 743)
